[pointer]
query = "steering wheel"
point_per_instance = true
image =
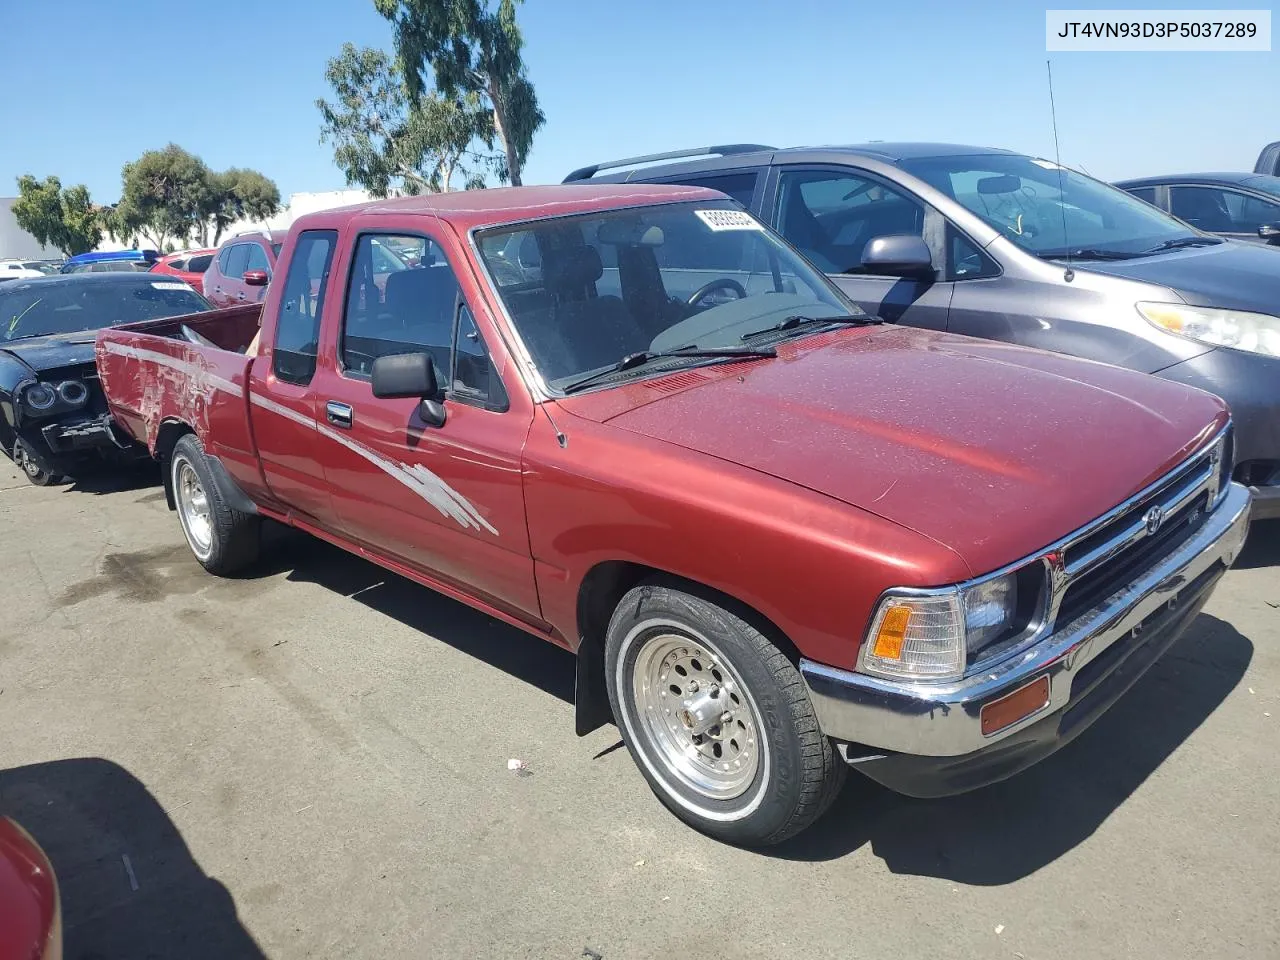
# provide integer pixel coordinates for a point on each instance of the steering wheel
(724, 283)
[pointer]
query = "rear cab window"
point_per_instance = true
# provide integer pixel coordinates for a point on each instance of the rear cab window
(301, 307)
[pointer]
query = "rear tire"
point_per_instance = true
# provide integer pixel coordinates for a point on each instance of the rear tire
(717, 718)
(222, 538)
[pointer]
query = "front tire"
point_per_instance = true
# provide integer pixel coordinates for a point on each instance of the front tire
(25, 459)
(222, 538)
(717, 718)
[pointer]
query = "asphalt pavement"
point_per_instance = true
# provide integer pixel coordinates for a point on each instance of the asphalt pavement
(312, 761)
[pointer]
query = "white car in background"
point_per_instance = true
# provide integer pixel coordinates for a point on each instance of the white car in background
(23, 270)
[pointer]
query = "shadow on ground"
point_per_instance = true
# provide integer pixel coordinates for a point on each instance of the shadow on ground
(1004, 832)
(89, 815)
(306, 559)
(992, 836)
(1262, 549)
(104, 478)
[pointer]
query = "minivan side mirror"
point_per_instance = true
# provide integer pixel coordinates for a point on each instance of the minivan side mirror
(255, 278)
(898, 255)
(1270, 231)
(410, 375)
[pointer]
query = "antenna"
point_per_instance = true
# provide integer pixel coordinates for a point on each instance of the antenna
(1069, 275)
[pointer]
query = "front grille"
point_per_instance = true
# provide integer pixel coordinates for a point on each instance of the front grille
(1113, 555)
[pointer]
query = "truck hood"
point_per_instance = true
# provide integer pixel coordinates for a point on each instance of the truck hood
(1235, 275)
(990, 449)
(52, 352)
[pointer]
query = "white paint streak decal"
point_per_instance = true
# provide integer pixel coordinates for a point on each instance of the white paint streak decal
(416, 477)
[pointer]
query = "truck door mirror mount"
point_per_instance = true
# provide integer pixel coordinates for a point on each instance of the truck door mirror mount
(410, 375)
(898, 255)
(1270, 231)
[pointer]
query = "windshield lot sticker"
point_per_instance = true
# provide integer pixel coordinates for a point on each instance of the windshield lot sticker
(170, 286)
(719, 220)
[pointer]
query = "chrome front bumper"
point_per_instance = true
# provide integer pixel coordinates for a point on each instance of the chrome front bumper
(943, 719)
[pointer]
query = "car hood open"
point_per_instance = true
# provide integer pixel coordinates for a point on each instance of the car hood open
(991, 449)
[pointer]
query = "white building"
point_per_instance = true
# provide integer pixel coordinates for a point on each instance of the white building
(16, 243)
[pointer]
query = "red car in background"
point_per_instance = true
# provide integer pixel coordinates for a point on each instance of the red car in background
(189, 265)
(30, 917)
(241, 270)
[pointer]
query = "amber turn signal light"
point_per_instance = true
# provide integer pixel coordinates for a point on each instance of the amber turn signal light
(893, 630)
(1008, 710)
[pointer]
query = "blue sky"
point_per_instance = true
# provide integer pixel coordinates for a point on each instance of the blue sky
(235, 81)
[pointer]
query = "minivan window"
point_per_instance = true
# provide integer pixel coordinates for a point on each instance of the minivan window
(257, 258)
(740, 186)
(607, 285)
(1222, 211)
(831, 216)
(1050, 211)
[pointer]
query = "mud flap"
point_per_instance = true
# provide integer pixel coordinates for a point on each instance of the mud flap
(590, 698)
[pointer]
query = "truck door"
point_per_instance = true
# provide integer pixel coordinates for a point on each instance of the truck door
(444, 500)
(282, 399)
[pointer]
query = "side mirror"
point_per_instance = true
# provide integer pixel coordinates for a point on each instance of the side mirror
(898, 255)
(1270, 231)
(255, 278)
(410, 375)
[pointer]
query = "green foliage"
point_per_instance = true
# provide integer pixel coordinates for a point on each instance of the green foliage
(171, 195)
(65, 219)
(383, 137)
(472, 49)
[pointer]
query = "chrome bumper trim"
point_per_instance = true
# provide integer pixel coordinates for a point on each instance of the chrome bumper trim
(942, 719)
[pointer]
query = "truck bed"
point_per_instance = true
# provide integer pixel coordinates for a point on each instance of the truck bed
(153, 374)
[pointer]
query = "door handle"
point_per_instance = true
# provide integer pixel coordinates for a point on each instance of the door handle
(339, 414)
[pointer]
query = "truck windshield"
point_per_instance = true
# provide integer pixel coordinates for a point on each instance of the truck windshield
(586, 291)
(44, 307)
(1049, 211)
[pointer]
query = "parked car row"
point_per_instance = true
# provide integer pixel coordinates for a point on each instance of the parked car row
(948, 558)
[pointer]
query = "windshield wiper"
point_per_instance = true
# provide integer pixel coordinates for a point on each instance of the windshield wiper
(795, 320)
(1179, 242)
(633, 360)
(1088, 253)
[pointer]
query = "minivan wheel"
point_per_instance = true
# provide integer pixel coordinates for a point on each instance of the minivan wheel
(223, 539)
(717, 718)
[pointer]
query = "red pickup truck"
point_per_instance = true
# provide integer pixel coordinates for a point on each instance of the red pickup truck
(782, 537)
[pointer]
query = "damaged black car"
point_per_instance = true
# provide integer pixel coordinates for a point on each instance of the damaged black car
(53, 414)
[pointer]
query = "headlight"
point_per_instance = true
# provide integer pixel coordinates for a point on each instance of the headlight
(929, 635)
(39, 396)
(1254, 332)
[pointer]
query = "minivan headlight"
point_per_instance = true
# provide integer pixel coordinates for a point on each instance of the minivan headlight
(928, 635)
(1238, 329)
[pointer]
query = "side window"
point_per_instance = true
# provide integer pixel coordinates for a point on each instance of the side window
(1203, 207)
(965, 260)
(831, 216)
(199, 264)
(740, 186)
(301, 305)
(1249, 213)
(401, 294)
(224, 260)
(237, 261)
(257, 258)
(1144, 193)
(474, 377)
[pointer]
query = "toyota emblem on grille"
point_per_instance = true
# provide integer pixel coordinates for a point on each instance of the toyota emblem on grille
(1153, 519)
